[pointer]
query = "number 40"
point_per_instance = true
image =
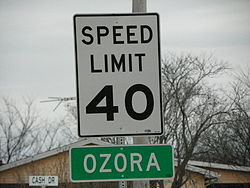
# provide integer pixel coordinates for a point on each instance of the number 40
(110, 109)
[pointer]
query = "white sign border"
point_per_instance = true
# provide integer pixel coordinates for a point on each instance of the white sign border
(107, 180)
(44, 184)
(77, 77)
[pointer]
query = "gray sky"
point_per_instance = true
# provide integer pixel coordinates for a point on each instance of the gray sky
(37, 46)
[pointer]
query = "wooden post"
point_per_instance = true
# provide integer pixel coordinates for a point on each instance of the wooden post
(140, 6)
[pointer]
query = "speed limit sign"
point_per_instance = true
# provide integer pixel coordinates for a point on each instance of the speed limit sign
(118, 70)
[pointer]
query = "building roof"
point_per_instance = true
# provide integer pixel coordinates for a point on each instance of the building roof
(219, 166)
(194, 166)
(208, 174)
(53, 152)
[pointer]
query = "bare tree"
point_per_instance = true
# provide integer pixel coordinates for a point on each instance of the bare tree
(190, 106)
(16, 136)
(70, 132)
(24, 133)
(240, 119)
(230, 143)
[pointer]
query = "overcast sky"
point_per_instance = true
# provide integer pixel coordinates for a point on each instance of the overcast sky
(37, 46)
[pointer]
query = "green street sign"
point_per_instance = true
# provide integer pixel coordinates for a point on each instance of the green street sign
(118, 163)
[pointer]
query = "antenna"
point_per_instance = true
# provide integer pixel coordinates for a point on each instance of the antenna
(59, 99)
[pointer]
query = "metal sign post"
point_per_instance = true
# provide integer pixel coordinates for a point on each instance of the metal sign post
(140, 6)
(121, 141)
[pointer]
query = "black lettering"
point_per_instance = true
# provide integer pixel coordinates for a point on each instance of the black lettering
(41, 179)
(33, 179)
(117, 64)
(93, 66)
(51, 179)
(140, 60)
(129, 102)
(94, 107)
(91, 39)
(130, 62)
(106, 63)
(130, 34)
(100, 33)
(116, 34)
(150, 34)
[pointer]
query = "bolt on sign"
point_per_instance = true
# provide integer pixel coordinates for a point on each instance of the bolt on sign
(118, 163)
(118, 70)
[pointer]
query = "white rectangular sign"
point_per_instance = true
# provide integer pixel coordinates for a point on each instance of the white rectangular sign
(43, 180)
(118, 70)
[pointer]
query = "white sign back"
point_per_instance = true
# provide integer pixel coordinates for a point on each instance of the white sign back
(118, 70)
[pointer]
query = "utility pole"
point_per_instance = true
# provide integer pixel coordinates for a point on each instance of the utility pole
(140, 6)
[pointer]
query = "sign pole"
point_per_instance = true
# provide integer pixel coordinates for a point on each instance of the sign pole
(121, 141)
(140, 6)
